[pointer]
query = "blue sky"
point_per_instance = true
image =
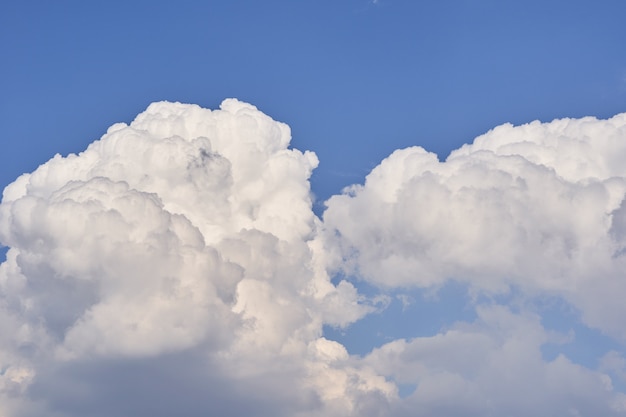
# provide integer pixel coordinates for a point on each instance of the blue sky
(355, 80)
(351, 78)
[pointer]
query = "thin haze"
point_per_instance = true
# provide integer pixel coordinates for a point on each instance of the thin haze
(376, 226)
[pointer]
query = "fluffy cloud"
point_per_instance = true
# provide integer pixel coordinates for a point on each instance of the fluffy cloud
(176, 267)
(537, 207)
(189, 230)
(492, 366)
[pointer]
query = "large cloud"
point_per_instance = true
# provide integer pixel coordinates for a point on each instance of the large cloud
(188, 231)
(176, 267)
(538, 207)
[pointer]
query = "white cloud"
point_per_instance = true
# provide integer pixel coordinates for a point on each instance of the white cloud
(188, 231)
(492, 367)
(538, 207)
(176, 267)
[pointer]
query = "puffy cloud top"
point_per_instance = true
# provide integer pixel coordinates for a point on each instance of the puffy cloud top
(577, 149)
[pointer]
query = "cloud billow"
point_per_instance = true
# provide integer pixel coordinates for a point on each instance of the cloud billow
(537, 207)
(176, 266)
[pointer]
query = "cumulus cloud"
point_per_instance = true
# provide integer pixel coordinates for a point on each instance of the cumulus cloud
(175, 266)
(537, 207)
(189, 230)
(491, 365)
